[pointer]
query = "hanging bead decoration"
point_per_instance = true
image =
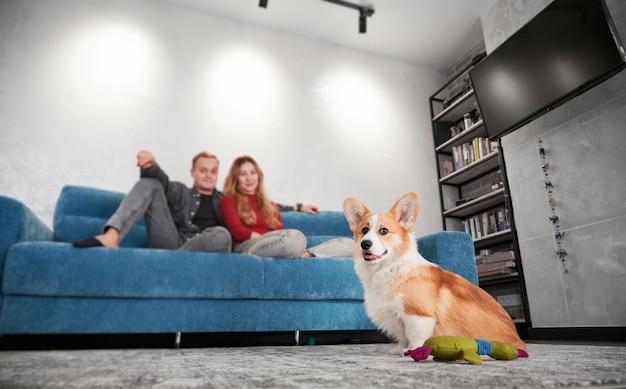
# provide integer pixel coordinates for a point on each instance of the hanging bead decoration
(558, 234)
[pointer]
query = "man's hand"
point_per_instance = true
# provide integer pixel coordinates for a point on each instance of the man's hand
(145, 159)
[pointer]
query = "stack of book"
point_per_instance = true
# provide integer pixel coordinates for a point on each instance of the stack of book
(496, 264)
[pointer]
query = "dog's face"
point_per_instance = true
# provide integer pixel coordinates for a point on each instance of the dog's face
(381, 236)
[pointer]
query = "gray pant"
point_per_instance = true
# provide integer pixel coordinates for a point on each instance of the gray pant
(147, 199)
(290, 243)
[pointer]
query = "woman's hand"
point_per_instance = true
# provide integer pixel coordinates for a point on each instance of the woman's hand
(310, 208)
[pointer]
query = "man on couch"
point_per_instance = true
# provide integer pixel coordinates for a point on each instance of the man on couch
(176, 216)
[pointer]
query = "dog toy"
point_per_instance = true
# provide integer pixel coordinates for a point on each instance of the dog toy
(453, 348)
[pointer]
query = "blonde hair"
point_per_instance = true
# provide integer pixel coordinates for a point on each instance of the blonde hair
(203, 154)
(244, 210)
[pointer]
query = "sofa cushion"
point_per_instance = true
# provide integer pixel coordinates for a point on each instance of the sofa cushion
(58, 269)
(312, 279)
(81, 212)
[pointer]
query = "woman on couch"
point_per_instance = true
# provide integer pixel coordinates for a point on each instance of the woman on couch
(255, 223)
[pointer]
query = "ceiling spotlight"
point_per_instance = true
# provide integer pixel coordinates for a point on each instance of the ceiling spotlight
(362, 22)
(364, 12)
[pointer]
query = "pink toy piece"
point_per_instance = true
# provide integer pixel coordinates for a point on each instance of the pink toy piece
(419, 353)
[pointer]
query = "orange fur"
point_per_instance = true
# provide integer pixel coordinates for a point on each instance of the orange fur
(460, 307)
(409, 298)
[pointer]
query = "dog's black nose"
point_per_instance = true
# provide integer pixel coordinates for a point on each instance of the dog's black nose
(366, 244)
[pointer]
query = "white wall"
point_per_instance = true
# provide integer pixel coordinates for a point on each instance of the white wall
(85, 84)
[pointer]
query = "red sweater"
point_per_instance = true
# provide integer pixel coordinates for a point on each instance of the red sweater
(240, 231)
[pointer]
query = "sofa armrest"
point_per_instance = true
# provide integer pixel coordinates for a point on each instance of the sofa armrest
(19, 224)
(451, 250)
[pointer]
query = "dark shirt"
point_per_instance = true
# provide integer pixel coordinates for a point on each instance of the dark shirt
(206, 216)
(182, 201)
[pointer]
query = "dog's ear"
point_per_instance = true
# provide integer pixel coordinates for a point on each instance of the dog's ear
(405, 210)
(355, 211)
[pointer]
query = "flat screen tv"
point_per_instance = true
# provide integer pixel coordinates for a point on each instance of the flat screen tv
(569, 47)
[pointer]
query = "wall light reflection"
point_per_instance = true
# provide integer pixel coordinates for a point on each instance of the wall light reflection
(353, 102)
(242, 86)
(110, 59)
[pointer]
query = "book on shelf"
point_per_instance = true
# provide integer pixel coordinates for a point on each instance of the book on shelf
(486, 223)
(507, 220)
(457, 157)
(472, 151)
(466, 157)
(493, 226)
(501, 224)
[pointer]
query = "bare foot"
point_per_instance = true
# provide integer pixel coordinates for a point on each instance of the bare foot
(307, 254)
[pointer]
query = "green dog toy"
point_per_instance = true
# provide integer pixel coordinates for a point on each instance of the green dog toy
(453, 348)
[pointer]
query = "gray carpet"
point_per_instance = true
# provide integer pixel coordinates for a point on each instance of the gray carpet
(336, 366)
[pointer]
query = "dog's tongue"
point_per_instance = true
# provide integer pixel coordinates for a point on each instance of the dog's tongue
(370, 256)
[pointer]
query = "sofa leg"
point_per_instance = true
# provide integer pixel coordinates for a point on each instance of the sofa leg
(177, 340)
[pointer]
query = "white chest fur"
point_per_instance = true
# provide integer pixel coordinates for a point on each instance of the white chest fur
(384, 302)
(384, 308)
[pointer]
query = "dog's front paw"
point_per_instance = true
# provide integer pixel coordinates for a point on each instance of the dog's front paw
(397, 350)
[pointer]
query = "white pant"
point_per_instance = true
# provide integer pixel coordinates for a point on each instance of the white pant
(290, 243)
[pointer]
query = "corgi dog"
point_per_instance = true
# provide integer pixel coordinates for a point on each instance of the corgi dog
(409, 298)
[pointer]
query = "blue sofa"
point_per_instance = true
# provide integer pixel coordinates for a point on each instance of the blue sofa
(50, 287)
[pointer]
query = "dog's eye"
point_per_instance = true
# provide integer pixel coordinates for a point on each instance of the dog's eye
(364, 230)
(383, 231)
